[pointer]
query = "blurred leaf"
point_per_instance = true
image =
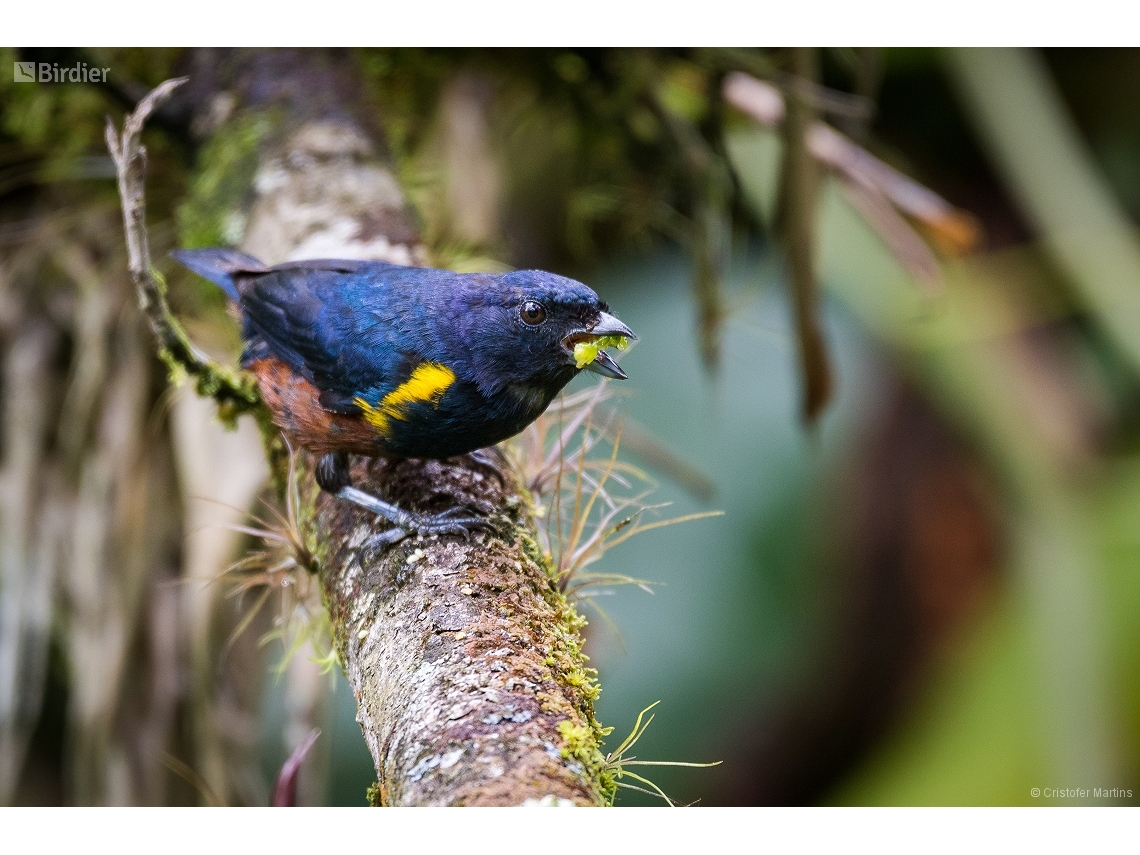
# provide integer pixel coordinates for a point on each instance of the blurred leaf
(756, 155)
(682, 91)
(1031, 138)
(285, 790)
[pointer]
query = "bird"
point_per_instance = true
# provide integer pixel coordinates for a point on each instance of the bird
(383, 360)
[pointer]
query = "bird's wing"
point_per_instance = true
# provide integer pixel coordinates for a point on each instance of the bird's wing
(330, 321)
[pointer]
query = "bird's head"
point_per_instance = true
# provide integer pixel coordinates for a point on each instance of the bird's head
(545, 328)
(564, 323)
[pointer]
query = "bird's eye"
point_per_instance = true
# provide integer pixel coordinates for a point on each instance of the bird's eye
(532, 313)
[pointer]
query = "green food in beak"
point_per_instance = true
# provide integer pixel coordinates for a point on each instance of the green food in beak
(586, 347)
(586, 352)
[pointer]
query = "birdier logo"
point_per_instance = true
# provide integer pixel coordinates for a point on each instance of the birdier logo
(51, 72)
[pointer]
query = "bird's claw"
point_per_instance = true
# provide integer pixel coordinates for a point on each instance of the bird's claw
(379, 542)
(439, 524)
(491, 461)
(448, 514)
(422, 524)
(448, 523)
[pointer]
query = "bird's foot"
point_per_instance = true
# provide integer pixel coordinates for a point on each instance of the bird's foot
(491, 461)
(447, 522)
(371, 548)
(450, 521)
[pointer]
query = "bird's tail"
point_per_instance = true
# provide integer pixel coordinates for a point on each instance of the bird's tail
(219, 265)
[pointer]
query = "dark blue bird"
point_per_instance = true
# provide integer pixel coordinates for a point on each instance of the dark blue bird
(370, 358)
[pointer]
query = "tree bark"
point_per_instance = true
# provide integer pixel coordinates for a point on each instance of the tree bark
(464, 656)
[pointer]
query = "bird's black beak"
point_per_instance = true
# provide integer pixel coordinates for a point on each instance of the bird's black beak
(606, 327)
(604, 364)
(609, 325)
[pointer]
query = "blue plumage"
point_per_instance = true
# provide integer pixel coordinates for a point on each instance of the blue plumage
(406, 361)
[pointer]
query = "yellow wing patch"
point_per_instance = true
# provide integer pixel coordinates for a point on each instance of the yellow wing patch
(427, 384)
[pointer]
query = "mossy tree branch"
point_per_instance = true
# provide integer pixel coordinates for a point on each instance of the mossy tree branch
(464, 656)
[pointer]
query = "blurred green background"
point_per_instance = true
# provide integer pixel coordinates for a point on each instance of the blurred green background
(927, 596)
